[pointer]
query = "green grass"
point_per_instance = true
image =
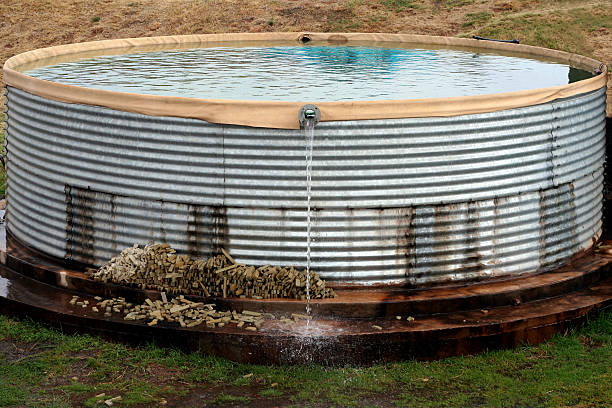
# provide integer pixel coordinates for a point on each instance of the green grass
(563, 30)
(227, 398)
(400, 5)
(271, 392)
(476, 19)
(55, 370)
(344, 25)
(457, 3)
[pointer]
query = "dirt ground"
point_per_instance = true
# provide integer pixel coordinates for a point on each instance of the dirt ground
(31, 24)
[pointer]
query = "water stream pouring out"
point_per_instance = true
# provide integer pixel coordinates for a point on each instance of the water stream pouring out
(309, 116)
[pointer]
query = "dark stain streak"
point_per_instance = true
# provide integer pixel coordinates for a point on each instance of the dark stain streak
(113, 222)
(220, 230)
(69, 221)
(472, 259)
(550, 199)
(205, 234)
(542, 228)
(497, 217)
(572, 220)
(409, 234)
(85, 229)
(194, 225)
(80, 227)
(207, 230)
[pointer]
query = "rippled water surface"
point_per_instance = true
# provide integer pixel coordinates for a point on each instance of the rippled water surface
(311, 73)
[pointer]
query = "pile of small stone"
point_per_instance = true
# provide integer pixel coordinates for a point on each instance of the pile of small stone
(158, 267)
(178, 310)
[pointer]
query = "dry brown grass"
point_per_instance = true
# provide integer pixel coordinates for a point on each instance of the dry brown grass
(29, 24)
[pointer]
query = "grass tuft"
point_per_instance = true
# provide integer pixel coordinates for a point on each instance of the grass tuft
(271, 393)
(228, 399)
(476, 19)
(457, 3)
(400, 5)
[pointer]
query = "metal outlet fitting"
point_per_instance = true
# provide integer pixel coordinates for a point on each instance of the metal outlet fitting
(309, 113)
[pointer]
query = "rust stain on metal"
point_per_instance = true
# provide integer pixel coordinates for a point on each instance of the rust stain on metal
(542, 222)
(80, 226)
(113, 222)
(572, 206)
(69, 238)
(472, 260)
(498, 202)
(194, 224)
(220, 230)
(203, 233)
(406, 238)
(207, 230)
(206, 221)
(84, 201)
(445, 218)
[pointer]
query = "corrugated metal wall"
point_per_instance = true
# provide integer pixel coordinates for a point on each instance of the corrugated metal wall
(413, 200)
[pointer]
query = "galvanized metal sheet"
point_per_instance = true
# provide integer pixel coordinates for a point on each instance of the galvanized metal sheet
(414, 200)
